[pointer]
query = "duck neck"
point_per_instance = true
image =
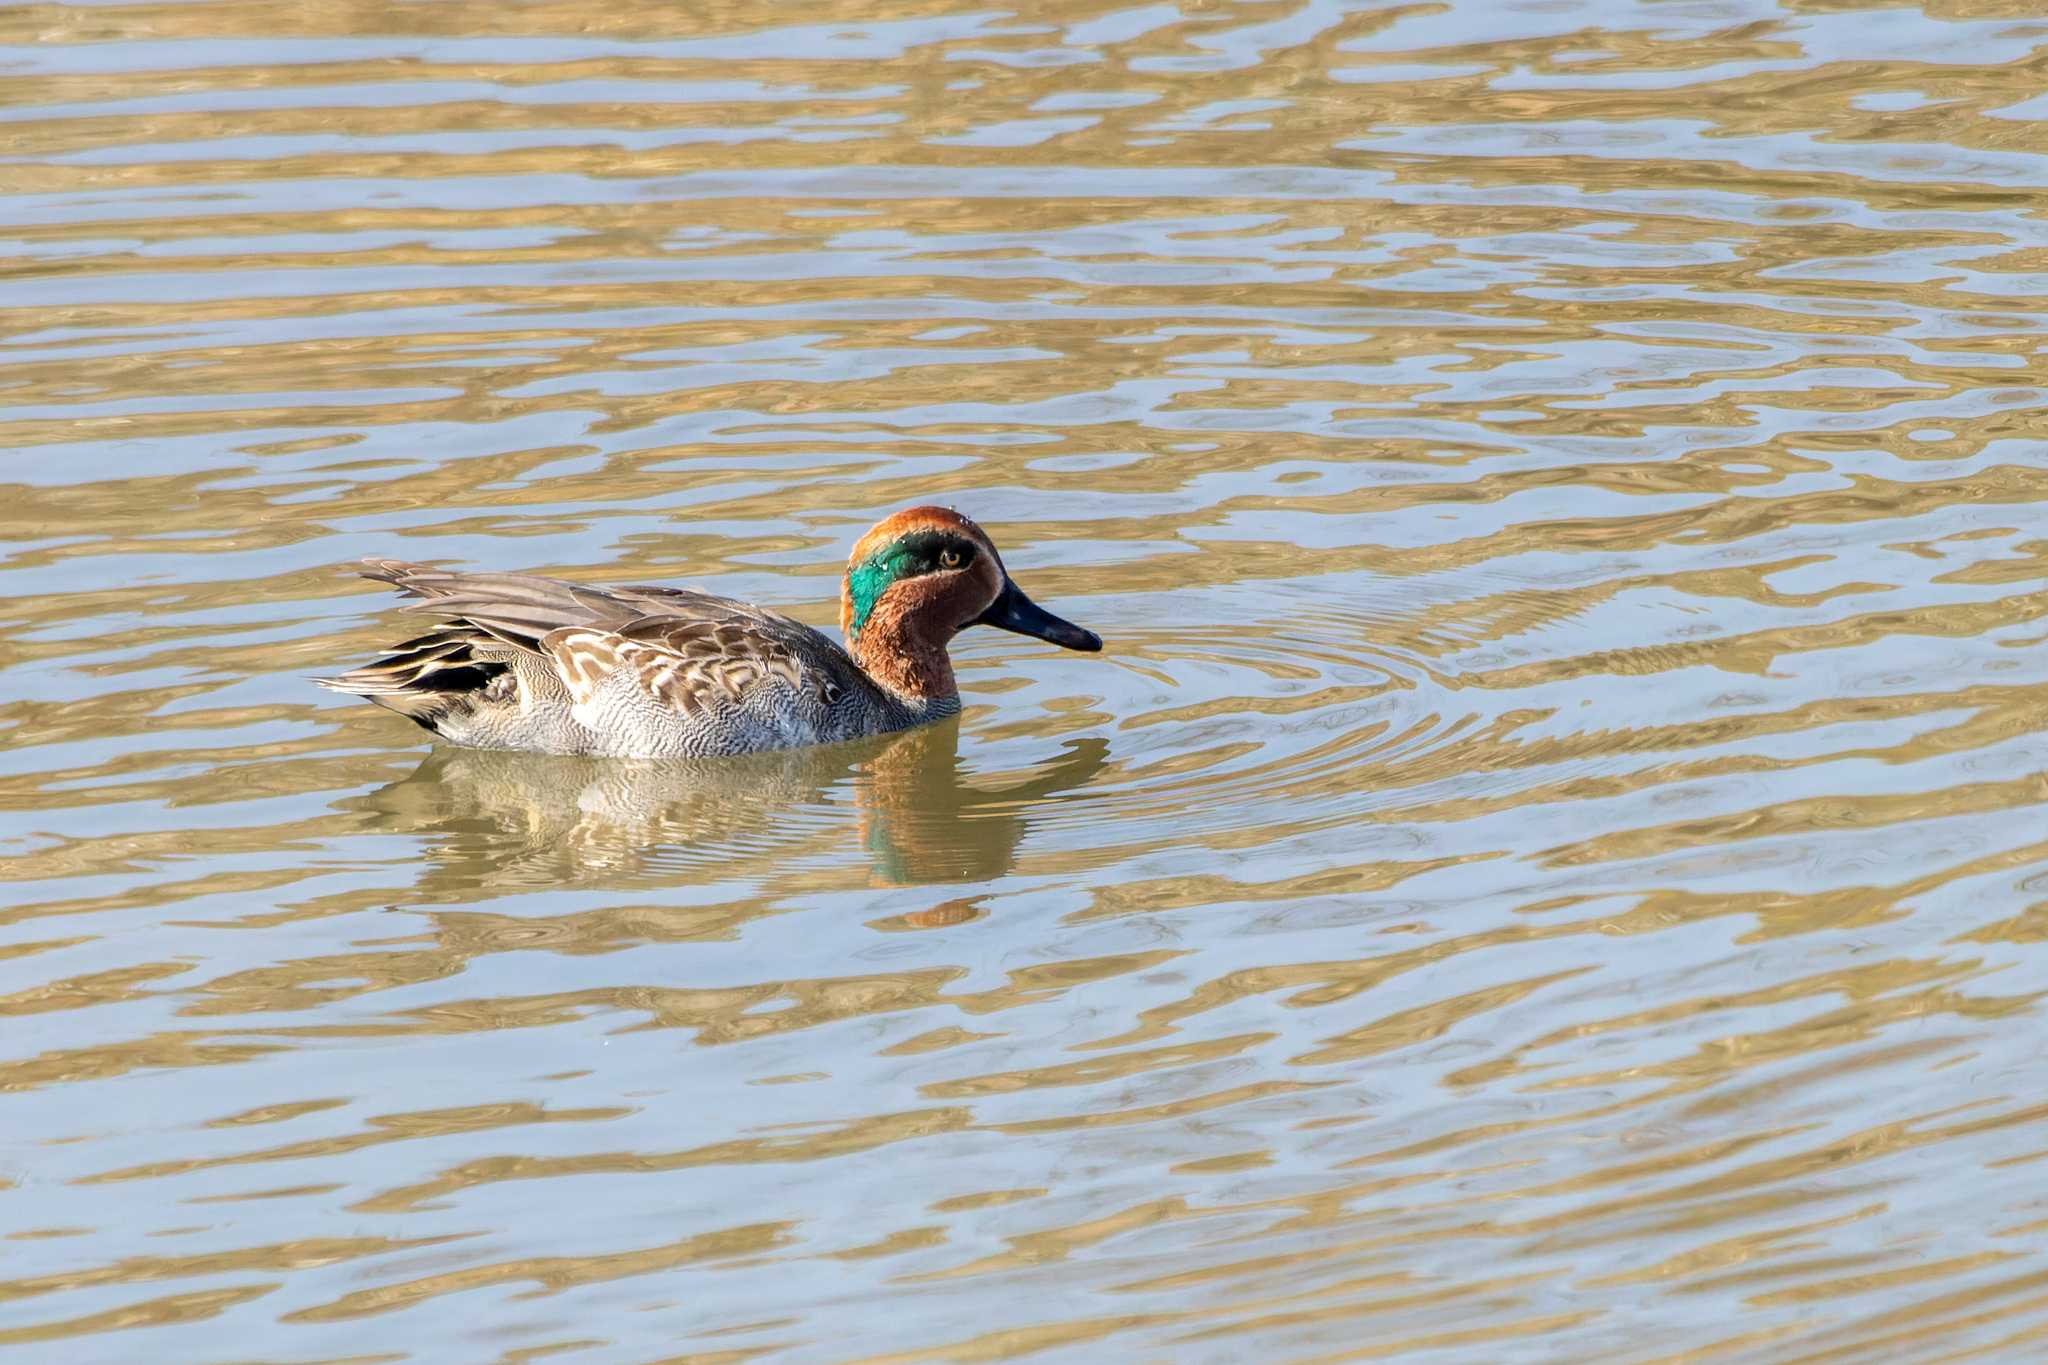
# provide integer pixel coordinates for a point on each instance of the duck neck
(900, 650)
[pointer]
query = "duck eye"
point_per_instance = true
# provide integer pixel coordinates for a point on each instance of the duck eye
(950, 557)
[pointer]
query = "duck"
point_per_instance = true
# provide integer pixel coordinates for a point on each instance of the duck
(542, 665)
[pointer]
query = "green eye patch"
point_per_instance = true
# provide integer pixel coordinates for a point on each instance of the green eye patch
(907, 556)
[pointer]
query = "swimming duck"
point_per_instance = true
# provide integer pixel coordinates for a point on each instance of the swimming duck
(547, 666)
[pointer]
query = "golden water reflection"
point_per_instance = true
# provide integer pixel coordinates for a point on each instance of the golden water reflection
(1551, 849)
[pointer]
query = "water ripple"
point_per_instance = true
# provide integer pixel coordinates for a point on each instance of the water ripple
(1551, 844)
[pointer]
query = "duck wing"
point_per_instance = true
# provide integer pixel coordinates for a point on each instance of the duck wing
(690, 652)
(695, 665)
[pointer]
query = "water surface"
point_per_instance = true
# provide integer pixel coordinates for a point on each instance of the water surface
(1549, 867)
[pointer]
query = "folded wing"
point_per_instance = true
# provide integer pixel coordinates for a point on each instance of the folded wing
(645, 667)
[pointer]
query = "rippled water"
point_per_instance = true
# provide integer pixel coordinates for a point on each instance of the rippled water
(1550, 866)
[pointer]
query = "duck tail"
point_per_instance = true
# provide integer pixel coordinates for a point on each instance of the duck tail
(427, 680)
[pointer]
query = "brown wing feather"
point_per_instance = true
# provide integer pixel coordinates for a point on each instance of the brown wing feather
(687, 665)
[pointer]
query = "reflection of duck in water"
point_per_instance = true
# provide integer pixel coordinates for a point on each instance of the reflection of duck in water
(924, 817)
(507, 820)
(545, 666)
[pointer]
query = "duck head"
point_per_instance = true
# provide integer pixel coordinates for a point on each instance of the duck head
(921, 577)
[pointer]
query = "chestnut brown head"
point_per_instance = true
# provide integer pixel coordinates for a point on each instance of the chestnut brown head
(932, 567)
